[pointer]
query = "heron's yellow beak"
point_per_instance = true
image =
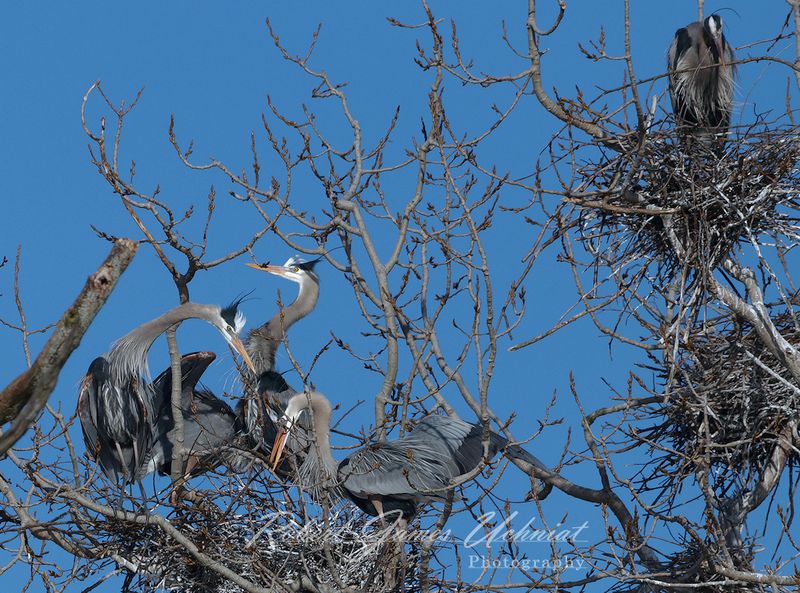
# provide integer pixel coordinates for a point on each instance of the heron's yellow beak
(239, 346)
(278, 270)
(277, 448)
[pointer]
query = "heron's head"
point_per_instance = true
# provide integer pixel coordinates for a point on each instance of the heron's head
(230, 323)
(712, 30)
(319, 405)
(295, 269)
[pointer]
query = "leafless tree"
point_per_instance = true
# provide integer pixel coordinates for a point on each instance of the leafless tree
(685, 257)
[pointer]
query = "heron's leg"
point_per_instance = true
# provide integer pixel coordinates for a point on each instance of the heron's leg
(135, 476)
(191, 463)
(136, 465)
(121, 459)
(121, 498)
(144, 498)
(394, 548)
(378, 504)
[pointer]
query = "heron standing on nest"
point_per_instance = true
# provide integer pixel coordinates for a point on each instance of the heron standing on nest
(257, 417)
(392, 477)
(116, 401)
(701, 75)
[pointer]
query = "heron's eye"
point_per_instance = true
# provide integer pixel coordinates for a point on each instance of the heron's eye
(230, 329)
(295, 269)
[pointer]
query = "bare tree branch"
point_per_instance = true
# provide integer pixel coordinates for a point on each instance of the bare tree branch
(25, 396)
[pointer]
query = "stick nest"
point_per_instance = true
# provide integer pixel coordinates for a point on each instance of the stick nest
(312, 555)
(693, 565)
(729, 400)
(685, 206)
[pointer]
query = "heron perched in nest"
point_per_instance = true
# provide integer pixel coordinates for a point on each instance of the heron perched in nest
(116, 401)
(256, 420)
(393, 476)
(701, 74)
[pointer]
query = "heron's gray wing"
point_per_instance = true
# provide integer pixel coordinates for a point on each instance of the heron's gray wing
(209, 423)
(111, 418)
(208, 429)
(683, 56)
(465, 442)
(392, 469)
(87, 405)
(460, 441)
(681, 43)
(88, 414)
(193, 365)
(423, 462)
(726, 79)
(142, 430)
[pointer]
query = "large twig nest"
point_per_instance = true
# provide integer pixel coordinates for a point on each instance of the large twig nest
(693, 565)
(687, 207)
(729, 404)
(346, 549)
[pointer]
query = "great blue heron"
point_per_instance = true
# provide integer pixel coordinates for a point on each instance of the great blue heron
(391, 476)
(701, 74)
(263, 342)
(115, 404)
(257, 418)
(208, 422)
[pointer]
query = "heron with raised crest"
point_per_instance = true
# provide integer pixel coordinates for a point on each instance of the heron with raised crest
(257, 417)
(116, 401)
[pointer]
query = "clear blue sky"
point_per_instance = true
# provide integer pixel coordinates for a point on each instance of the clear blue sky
(213, 69)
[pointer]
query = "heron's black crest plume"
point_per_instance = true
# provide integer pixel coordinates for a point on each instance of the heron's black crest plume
(299, 262)
(308, 266)
(232, 315)
(733, 10)
(332, 249)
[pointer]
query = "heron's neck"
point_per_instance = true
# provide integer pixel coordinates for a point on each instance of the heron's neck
(262, 343)
(128, 355)
(148, 332)
(320, 456)
(323, 434)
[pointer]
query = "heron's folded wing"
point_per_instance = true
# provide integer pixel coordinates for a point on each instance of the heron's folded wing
(88, 404)
(392, 469)
(193, 365)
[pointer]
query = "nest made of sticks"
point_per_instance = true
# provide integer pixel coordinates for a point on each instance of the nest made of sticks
(346, 549)
(686, 206)
(729, 403)
(693, 564)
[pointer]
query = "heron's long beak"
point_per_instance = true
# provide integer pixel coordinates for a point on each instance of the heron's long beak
(277, 448)
(277, 270)
(237, 343)
(718, 43)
